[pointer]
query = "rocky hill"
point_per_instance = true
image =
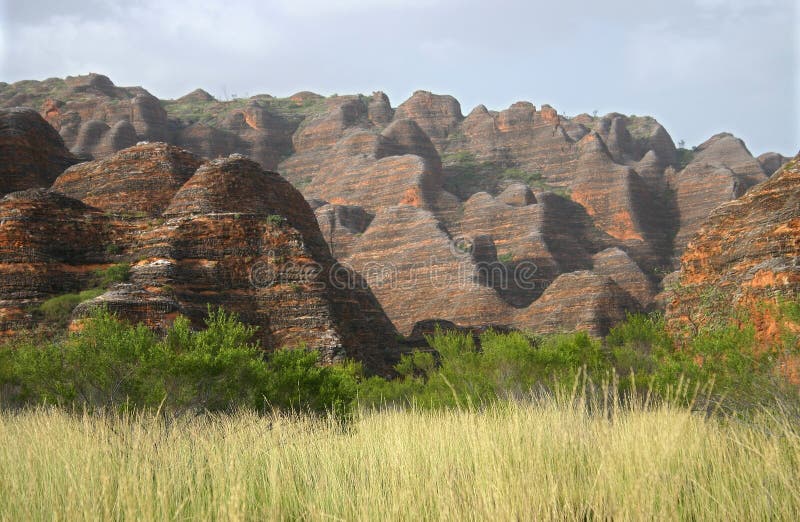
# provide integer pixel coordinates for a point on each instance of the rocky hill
(190, 234)
(522, 217)
(746, 254)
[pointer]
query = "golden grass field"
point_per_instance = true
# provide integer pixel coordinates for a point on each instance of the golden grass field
(539, 460)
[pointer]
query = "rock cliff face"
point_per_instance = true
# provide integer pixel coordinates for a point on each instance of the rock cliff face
(771, 162)
(418, 272)
(32, 153)
(49, 245)
(580, 300)
(538, 221)
(227, 233)
(721, 170)
(747, 253)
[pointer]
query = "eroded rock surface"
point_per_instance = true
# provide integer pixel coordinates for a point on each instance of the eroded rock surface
(721, 170)
(518, 206)
(140, 179)
(32, 154)
(746, 253)
(230, 235)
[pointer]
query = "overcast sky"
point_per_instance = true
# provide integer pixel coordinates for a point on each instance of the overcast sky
(699, 66)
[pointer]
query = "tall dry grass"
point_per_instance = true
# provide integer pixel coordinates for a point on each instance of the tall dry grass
(538, 460)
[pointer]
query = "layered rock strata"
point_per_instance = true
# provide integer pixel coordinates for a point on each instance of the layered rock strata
(524, 189)
(747, 253)
(32, 154)
(225, 234)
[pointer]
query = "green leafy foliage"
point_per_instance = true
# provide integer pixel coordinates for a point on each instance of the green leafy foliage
(113, 249)
(110, 364)
(684, 157)
(117, 273)
(274, 219)
(506, 365)
(506, 257)
(57, 310)
(637, 356)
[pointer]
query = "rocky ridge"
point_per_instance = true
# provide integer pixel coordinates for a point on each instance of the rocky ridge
(514, 210)
(219, 233)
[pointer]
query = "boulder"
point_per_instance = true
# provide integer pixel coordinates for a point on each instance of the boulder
(581, 300)
(771, 162)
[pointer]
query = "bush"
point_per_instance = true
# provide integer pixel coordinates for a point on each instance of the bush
(57, 310)
(274, 220)
(110, 364)
(506, 257)
(684, 157)
(507, 365)
(117, 273)
(638, 355)
(113, 249)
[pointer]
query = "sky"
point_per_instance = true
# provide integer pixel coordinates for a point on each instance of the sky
(699, 66)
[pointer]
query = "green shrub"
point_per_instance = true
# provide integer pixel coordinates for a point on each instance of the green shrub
(295, 381)
(110, 364)
(524, 176)
(117, 273)
(57, 310)
(275, 219)
(506, 257)
(507, 365)
(684, 157)
(113, 249)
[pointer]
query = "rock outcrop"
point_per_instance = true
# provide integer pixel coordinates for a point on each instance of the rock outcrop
(437, 115)
(771, 162)
(617, 265)
(49, 245)
(224, 234)
(141, 179)
(418, 272)
(721, 170)
(32, 154)
(519, 207)
(581, 300)
(747, 253)
(341, 226)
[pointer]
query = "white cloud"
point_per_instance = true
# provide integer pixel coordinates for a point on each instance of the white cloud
(689, 62)
(315, 8)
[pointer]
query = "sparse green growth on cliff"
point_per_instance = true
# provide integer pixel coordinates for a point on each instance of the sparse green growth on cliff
(57, 310)
(213, 112)
(275, 220)
(684, 157)
(117, 273)
(466, 175)
(113, 249)
(505, 257)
